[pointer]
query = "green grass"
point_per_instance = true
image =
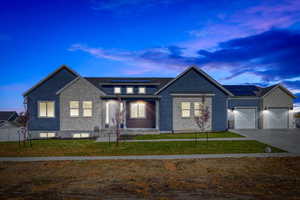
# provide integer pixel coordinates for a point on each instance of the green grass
(92, 148)
(225, 134)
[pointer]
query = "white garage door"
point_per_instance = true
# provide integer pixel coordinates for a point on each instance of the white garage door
(276, 118)
(244, 118)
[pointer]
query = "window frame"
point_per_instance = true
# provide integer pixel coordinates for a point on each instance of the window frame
(129, 88)
(39, 109)
(185, 109)
(117, 87)
(138, 110)
(73, 108)
(142, 88)
(91, 108)
(198, 109)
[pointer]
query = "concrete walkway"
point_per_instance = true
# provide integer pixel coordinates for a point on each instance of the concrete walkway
(199, 139)
(150, 157)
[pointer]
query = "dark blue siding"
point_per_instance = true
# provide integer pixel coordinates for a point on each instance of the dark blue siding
(193, 82)
(47, 91)
(243, 103)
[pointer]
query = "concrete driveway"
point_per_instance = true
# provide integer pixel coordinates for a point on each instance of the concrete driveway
(286, 139)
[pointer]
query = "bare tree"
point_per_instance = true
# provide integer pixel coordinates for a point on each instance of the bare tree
(23, 120)
(202, 120)
(118, 119)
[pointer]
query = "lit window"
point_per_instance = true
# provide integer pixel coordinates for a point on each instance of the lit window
(46, 109)
(117, 90)
(138, 110)
(142, 90)
(185, 109)
(198, 109)
(87, 108)
(74, 108)
(81, 135)
(129, 90)
(47, 135)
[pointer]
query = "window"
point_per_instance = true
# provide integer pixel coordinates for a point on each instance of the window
(74, 108)
(117, 90)
(138, 110)
(198, 109)
(129, 90)
(81, 135)
(87, 108)
(142, 90)
(185, 109)
(47, 135)
(46, 109)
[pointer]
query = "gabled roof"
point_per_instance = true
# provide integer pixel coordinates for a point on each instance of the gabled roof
(49, 76)
(99, 81)
(74, 81)
(7, 115)
(273, 87)
(202, 73)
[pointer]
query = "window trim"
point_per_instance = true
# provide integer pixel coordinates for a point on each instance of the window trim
(181, 109)
(45, 101)
(74, 108)
(117, 92)
(138, 117)
(129, 88)
(199, 109)
(91, 108)
(47, 134)
(142, 92)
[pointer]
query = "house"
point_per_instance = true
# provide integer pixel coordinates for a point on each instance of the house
(65, 104)
(7, 117)
(8, 126)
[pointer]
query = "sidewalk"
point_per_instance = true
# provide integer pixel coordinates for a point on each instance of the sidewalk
(198, 139)
(105, 139)
(147, 157)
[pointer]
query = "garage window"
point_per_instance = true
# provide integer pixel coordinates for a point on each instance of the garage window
(185, 109)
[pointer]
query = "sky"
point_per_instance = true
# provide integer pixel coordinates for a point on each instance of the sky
(235, 42)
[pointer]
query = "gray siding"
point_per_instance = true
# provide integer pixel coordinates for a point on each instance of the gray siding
(246, 102)
(81, 90)
(47, 92)
(193, 82)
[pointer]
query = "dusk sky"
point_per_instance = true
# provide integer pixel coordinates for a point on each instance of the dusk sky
(236, 42)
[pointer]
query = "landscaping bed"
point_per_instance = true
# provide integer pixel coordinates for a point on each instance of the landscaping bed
(92, 148)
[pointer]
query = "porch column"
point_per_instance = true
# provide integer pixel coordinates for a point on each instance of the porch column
(157, 114)
(125, 113)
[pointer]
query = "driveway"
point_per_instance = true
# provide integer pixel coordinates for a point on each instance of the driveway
(286, 139)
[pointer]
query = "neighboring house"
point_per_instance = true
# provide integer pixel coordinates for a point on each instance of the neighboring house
(64, 104)
(8, 126)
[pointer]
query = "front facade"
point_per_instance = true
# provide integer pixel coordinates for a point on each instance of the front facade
(65, 105)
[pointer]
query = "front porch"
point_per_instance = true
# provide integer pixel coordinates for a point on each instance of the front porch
(139, 115)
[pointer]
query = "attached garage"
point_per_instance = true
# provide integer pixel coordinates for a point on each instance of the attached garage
(245, 118)
(276, 118)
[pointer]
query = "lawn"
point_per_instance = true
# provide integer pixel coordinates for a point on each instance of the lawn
(92, 148)
(225, 134)
(223, 179)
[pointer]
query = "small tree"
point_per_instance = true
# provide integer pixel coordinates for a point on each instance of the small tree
(118, 119)
(23, 120)
(202, 120)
